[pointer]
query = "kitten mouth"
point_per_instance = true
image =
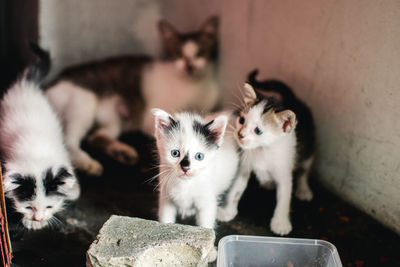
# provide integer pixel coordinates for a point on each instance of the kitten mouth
(185, 175)
(34, 225)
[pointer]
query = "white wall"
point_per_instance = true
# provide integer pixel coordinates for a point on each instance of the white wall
(341, 57)
(80, 30)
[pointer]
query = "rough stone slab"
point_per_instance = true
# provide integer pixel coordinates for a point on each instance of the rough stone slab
(126, 241)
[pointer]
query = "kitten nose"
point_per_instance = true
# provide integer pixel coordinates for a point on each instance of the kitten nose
(37, 217)
(189, 68)
(240, 135)
(185, 164)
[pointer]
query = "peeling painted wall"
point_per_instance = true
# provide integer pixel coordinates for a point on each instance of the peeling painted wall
(341, 57)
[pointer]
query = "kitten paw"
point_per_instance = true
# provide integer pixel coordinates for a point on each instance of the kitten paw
(281, 226)
(212, 256)
(82, 161)
(91, 167)
(226, 214)
(123, 153)
(304, 194)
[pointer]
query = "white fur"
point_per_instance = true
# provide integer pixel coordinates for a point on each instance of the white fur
(197, 191)
(272, 158)
(31, 142)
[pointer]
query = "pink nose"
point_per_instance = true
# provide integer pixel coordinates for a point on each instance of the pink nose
(37, 217)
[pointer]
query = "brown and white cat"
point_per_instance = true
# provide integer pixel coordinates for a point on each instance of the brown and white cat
(117, 94)
(275, 132)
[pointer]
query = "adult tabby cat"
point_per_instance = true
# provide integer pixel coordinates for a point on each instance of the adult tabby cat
(117, 94)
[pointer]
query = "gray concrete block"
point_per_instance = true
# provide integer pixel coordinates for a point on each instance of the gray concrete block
(125, 241)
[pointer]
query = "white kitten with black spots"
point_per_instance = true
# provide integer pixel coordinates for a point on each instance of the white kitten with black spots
(38, 176)
(197, 165)
(267, 138)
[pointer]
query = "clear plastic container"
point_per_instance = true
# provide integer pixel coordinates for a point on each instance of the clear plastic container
(254, 251)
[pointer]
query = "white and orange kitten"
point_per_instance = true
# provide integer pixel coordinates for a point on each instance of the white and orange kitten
(266, 134)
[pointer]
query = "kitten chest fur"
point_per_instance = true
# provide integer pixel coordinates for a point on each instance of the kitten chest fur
(267, 160)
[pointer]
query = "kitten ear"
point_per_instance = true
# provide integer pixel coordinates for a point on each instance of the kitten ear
(70, 188)
(210, 27)
(8, 184)
(167, 32)
(287, 120)
(250, 95)
(217, 128)
(163, 120)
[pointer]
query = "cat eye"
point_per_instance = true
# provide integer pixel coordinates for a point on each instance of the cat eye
(241, 120)
(258, 131)
(175, 153)
(199, 156)
(28, 207)
(49, 207)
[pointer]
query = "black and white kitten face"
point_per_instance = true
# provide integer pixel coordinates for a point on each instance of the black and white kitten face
(191, 52)
(187, 144)
(37, 197)
(260, 123)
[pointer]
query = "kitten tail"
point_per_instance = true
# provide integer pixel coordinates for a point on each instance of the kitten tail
(38, 71)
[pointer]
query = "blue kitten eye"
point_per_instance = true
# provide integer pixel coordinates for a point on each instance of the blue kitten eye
(28, 207)
(241, 120)
(258, 131)
(49, 207)
(175, 153)
(199, 156)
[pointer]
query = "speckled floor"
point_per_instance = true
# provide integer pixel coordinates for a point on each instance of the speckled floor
(360, 240)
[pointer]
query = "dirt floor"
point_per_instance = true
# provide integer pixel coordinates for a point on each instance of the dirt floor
(360, 240)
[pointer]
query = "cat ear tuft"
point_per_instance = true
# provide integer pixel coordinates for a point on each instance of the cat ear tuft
(287, 120)
(210, 27)
(70, 188)
(250, 95)
(163, 120)
(217, 128)
(166, 30)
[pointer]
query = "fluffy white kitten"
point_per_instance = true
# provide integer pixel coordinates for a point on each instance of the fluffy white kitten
(197, 165)
(38, 176)
(268, 141)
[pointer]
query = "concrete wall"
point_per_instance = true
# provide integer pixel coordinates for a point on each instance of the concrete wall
(341, 57)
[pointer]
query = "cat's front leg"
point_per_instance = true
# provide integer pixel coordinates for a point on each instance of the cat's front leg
(167, 211)
(280, 222)
(229, 211)
(105, 139)
(206, 212)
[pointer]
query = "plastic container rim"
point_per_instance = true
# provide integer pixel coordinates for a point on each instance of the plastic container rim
(275, 240)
